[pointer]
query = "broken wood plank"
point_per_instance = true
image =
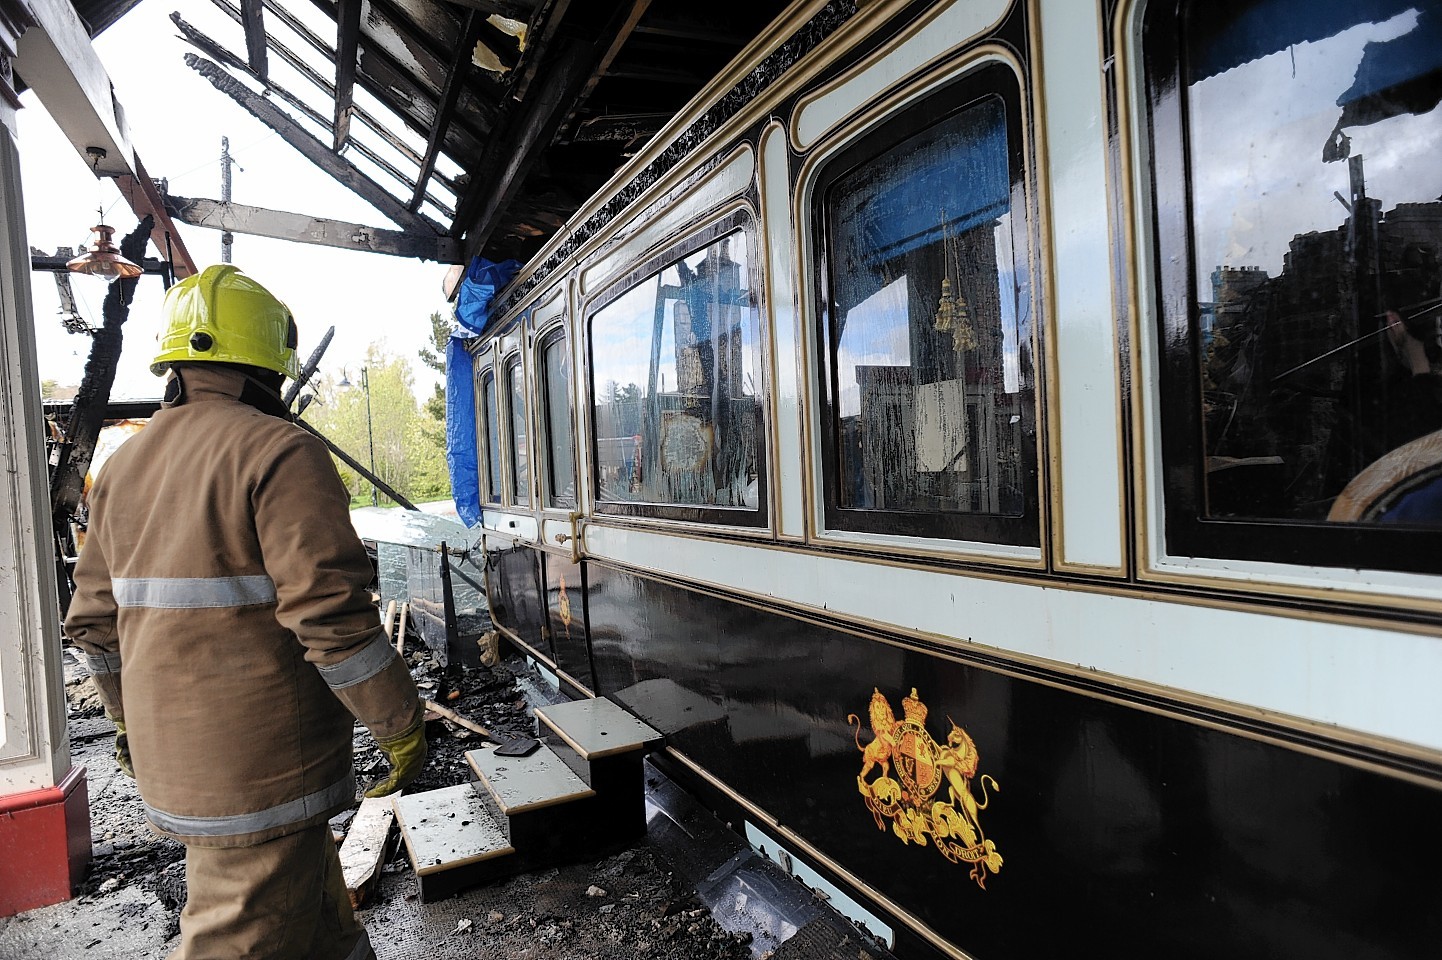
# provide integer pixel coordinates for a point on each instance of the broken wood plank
(342, 170)
(367, 847)
(456, 718)
(301, 228)
(389, 624)
(401, 629)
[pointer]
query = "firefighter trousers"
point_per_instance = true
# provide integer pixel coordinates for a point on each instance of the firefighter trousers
(284, 899)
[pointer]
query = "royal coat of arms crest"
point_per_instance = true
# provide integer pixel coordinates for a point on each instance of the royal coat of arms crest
(912, 801)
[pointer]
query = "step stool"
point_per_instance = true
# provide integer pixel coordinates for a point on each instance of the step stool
(453, 840)
(521, 813)
(612, 745)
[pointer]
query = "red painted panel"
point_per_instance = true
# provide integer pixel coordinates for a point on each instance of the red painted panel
(44, 844)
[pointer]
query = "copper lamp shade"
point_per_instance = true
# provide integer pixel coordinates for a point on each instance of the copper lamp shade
(103, 258)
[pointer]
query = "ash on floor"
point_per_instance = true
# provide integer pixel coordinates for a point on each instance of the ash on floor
(629, 905)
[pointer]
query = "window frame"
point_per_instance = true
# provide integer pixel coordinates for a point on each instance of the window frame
(1024, 530)
(740, 221)
(484, 408)
(1174, 298)
(545, 340)
(515, 361)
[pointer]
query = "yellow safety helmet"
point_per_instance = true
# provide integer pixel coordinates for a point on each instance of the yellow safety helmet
(222, 316)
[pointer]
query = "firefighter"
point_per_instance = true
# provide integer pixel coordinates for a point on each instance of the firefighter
(223, 607)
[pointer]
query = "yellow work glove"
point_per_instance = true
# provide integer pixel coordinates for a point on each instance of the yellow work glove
(122, 749)
(407, 755)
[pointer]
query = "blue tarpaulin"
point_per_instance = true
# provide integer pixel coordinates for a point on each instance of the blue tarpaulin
(483, 280)
(461, 432)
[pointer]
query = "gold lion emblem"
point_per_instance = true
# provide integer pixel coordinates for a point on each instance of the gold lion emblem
(911, 801)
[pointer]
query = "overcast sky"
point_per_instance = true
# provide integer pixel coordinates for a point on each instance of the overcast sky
(176, 121)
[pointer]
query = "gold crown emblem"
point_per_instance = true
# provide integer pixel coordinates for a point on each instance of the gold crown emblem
(913, 709)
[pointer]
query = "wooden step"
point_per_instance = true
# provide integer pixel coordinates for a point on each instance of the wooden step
(597, 728)
(521, 784)
(612, 745)
(452, 839)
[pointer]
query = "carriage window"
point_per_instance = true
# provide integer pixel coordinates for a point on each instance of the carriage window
(675, 363)
(491, 422)
(520, 463)
(560, 458)
(930, 394)
(1300, 261)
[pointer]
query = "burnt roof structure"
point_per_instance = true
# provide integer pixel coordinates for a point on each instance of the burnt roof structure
(475, 126)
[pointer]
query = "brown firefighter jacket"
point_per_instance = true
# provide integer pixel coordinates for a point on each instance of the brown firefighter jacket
(221, 600)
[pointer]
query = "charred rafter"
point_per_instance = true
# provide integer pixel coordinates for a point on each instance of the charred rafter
(510, 9)
(592, 35)
(213, 49)
(347, 49)
(254, 23)
(445, 110)
(318, 153)
(300, 228)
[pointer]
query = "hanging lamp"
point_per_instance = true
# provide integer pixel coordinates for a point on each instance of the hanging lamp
(102, 258)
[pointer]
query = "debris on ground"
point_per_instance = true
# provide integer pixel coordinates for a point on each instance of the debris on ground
(628, 905)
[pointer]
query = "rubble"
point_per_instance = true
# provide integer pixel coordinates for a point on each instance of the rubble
(628, 905)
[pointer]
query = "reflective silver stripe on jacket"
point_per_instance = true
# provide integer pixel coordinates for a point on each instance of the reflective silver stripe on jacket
(365, 663)
(362, 948)
(192, 592)
(105, 663)
(293, 811)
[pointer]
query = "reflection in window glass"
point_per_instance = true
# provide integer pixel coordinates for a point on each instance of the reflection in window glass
(491, 418)
(674, 362)
(1316, 235)
(561, 464)
(520, 464)
(929, 325)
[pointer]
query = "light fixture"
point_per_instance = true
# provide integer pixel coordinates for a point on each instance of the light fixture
(102, 258)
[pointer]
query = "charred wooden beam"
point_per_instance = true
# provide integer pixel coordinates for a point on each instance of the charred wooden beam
(530, 126)
(544, 24)
(298, 227)
(406, 86)
(255, 46)
(318, 153)
(510, 9)
(143, 197)
(347, 49)
(87, 412)
(382, 130)
(617, 42)
(213, 49)
(654, 73)
(455, 79)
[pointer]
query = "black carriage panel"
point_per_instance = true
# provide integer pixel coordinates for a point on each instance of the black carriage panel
(517, 599)
(1299, 278)
(1022, 813)
(566, 617)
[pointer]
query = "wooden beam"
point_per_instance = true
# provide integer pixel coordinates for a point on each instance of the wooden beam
(598, 30)
(455, 80)
(510, 9)
(347, 50)
(617, 42)
(318, 153)
(144, 199)
(254, 23)
(694, 30)
(298, 227)
(214, 50)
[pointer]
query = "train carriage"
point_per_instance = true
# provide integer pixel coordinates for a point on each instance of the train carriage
(996, 441)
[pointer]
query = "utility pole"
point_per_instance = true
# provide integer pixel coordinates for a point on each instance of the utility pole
(226, 237)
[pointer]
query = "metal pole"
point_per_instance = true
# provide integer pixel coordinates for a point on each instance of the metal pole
(370, 434)
(226, 237)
